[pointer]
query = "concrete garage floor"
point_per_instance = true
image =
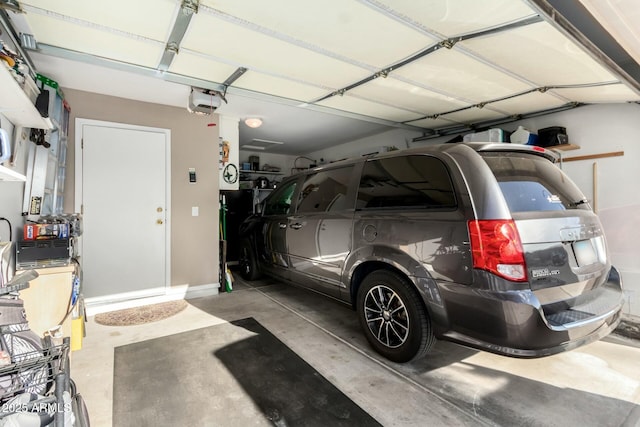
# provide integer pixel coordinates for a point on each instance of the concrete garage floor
(596, 385)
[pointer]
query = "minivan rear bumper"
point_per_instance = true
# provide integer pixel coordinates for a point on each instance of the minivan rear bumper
(514, 323)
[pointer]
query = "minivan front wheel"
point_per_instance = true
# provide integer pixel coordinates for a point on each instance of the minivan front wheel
(249, 268)
(394, 320)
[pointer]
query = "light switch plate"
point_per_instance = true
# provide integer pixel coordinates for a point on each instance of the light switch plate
(195, 211)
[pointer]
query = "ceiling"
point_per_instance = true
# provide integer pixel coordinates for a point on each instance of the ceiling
(323, 73)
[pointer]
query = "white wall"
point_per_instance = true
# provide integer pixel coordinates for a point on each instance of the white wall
(602, 129)
(399, 138)
(596, 129)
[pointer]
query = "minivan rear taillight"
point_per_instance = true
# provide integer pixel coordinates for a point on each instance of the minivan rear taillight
(496, 247)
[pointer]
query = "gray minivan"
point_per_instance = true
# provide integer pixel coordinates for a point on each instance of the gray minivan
(487, 245)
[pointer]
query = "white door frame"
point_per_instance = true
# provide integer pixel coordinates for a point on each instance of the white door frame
(80, 123)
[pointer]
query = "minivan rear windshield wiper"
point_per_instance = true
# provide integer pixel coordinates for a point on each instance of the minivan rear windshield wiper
(578, 203)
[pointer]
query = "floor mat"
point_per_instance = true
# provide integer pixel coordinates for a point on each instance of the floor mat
(141, 315)
(231, 374)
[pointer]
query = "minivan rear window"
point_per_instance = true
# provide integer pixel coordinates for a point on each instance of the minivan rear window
(532, 183)
(406, 181)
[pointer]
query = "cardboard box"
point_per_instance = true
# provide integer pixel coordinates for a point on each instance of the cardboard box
(45, 231)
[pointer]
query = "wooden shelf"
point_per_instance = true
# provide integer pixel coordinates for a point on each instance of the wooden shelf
(7, 174)
(593, 156)
(16, 106)
(261, 172)
(253, 188)
(564, 147)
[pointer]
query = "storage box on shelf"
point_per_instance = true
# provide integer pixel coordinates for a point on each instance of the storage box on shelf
(491, 135)
(56, 106)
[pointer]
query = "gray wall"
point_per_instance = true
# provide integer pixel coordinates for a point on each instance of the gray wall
(194, 240)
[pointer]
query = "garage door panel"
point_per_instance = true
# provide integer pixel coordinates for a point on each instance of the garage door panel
(541, 54)
(394, 92)
(454, 72)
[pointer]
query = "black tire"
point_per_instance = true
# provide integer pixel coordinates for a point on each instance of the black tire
(249, 268)
(393, 317)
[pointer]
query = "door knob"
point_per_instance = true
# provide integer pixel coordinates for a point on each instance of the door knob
(159, 221)
(159, 209)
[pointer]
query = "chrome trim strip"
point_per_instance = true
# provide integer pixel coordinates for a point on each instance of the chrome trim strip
(585, 322)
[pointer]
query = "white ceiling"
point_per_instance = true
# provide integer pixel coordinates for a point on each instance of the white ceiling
(311, 65)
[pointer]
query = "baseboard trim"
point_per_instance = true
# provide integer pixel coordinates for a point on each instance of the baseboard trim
(125, 300)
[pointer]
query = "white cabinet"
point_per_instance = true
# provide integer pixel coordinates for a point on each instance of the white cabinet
(17, 107)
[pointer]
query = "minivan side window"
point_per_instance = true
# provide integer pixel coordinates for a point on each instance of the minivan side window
(280, 202)
(325, 191)
(416, 181)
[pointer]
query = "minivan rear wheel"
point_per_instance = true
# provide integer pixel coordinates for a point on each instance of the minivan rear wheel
(249, 268)
(394, 320)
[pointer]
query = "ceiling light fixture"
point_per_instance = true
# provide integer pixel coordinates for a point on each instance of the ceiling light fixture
(253, 122)
(267, 141)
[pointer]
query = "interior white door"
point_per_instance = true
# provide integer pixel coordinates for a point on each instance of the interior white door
(124, 198)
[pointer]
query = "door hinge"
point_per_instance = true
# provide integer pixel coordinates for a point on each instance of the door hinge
(82, 209)
(82, 144)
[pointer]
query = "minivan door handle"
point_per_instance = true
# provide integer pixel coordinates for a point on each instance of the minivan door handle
(296, 226)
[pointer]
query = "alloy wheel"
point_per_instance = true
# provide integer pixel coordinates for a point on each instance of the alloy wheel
(386, 316)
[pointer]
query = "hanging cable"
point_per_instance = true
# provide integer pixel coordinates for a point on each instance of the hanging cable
(10, 228)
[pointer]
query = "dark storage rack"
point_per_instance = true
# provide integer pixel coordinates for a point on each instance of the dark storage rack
(18, 377)
(54, 359)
